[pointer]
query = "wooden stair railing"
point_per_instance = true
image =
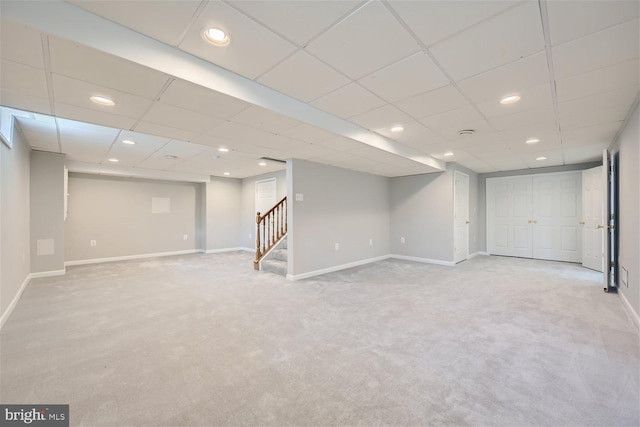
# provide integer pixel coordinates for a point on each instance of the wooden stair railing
(272, 227)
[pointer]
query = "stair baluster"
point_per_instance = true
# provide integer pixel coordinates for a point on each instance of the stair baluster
(271, 228)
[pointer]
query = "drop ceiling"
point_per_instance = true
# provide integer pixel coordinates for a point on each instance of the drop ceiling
(319, 80)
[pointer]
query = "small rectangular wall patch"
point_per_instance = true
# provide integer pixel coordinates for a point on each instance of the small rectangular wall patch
(44, 247)
(160, 205)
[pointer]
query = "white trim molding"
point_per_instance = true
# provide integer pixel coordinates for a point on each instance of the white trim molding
(48, 274)
(423, 260)
(219, 251)
(478, 253)
(14, 302)
(129, 257)
(336, 268)
(632, 313)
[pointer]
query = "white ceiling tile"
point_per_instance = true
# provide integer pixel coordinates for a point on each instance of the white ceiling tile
(386, 116)
(553, 158)
(511, 78)
(76, 92)
(298, 21)
(303, 77)
(518, 135)
(165, 131)
(192, 97)
(165, 21)
(585, 153)
(42, 142)
(90, 65)
(434, 102)
(596, 109)
(91, 116)
(414, 134)
(283, 144)
(624, 74)
(16, 77)
(602, 49)
(261, 118)
(159, 163)
(40, 135)
(85, 143)
(533, 97)
(477, 166)
(312, 151)
(569, 20)
(131, 155)
(507, 163)
(543, 116)
(599, 134)
(179, 118)
(340, 143)
(408, 77)
(432, 21)
(458, 119)
(308, 133)
(253, 49)
(21, 44)
(181, 149)
(511, 35)
(348, 101)
(239, 133)
(356, 46)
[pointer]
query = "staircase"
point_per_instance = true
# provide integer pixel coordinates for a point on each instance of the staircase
(271, 239)
(276, 260)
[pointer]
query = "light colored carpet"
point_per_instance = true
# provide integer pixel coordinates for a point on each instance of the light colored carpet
(205, 340)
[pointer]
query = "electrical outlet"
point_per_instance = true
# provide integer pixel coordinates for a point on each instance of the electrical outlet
(185, 237)
(249, 235)
(370, 242)
(337, 246)
(402, 240)
(92, 243)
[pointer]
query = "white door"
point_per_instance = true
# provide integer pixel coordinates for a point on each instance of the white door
(265, 199)
(556, 217)
(461, 216)
(608, 232)
(592, 206)
(509, 216)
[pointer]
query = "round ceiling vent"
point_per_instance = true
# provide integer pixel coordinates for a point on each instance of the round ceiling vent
(466, 132)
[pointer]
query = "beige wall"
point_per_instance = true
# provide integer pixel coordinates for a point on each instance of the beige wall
(14, 220)
(116, 212)
(223, 202)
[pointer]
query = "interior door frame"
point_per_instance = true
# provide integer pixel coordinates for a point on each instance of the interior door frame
(454, 215)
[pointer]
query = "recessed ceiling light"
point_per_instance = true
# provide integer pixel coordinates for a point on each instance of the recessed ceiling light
(102, 100)
(227, 173)
(223, 150)
(466, 132)
(541, 158)
(216, 37)
(510, 99)
(114, 160)
(170, 156)
(262, 164)
(128, 142)
(532, 141)
(397, 128)
(448, 154)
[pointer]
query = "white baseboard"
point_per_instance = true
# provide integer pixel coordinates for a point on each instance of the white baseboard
(15, 300)
(336, 268)
(630, 310)
(219, 251)
(424, 260)
(479, 253)
(129, 257)
(48, 274)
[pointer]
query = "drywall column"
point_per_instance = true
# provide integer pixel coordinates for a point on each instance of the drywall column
(47, 213)
(14, 222)
(223, 214)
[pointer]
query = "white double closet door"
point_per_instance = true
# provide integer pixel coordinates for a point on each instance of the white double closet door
(535, 216)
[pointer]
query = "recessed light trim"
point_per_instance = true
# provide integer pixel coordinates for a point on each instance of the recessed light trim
(541, 158)
(102, 100)
(397, 128)
(532, 141)
(466, 132)
(262, 164)
(216, 36)
(448, 154)
(113, 160)
(128, 142)
(170, 156)
(226, 173)
(510, 99)
(223, 150)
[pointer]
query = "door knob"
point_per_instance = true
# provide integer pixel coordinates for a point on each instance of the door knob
(535, 222)
(600, 226)
(581, 222)
(467, 222)
(529, 221)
